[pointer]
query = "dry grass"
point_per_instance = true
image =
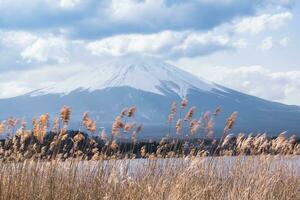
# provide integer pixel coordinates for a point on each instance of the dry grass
(46, 142)
(263, 177)
(103, 166)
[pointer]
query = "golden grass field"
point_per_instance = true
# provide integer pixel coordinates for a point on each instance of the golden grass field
(258, 177)
(51, 162)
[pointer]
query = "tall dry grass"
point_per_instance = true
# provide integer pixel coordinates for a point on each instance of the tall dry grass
(103, 166)
(251, 178)
(48, 142)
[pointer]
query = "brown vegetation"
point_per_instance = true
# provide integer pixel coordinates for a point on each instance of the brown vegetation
(172, 168)
(235, 178)
(44, 142)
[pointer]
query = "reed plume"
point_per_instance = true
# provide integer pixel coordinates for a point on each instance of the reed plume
(2, 127)
(117, 125)
(55, 126)
(184, 103)
(67, 144)
(210, 125)
(230, 122)
(89, 124)
(114, 145)
(190, 113)
(128, 127)
(40, 127)
(23, 123)
(124, 112)
(131, 111)
(178, 126)
(217, 111)
(206, 116)
(12, 122)
(143, 151)
(78, 138)
(173, 109)
(172, 115)
(65, 114)
(195, 126)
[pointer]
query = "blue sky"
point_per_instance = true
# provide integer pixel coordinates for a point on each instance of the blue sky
(248, 45)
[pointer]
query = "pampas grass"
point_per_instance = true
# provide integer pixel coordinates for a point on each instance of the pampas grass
(63, 164)
(61, 144)
(65, 114)
(242, 178)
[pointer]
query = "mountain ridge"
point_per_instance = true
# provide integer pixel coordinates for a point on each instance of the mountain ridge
(153, 106)
(148, 76)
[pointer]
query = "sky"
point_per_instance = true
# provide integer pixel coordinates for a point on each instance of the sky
(248, 45)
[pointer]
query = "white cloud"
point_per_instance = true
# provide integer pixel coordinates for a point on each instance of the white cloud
(86, 19)
(177, 30)
(282, 86)
(134, 43)
(122, 10)
(68, 3)
(16, 38)
(11, 89)
(284, 41)
(164, 44)
(241, 43)
(27, 49)
(46, 49)
(257, 24)
(28, 80)
(266, 44)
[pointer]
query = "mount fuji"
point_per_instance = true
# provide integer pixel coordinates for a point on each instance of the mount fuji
(151, 86)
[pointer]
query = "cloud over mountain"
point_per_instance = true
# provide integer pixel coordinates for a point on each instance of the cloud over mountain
(43, 36)
(282, 86)
(93, 18)
(257, 24)
(164, 44)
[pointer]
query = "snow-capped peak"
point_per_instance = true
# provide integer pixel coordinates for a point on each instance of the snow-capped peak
(140, 73)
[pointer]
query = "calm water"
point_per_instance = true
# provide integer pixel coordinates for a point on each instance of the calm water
(221, 165)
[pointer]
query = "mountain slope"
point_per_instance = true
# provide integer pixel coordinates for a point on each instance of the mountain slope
(149, 76)
(151, 86)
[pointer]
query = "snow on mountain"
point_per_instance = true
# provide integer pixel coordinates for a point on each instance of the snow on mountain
(139, 73)
(150, 85)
